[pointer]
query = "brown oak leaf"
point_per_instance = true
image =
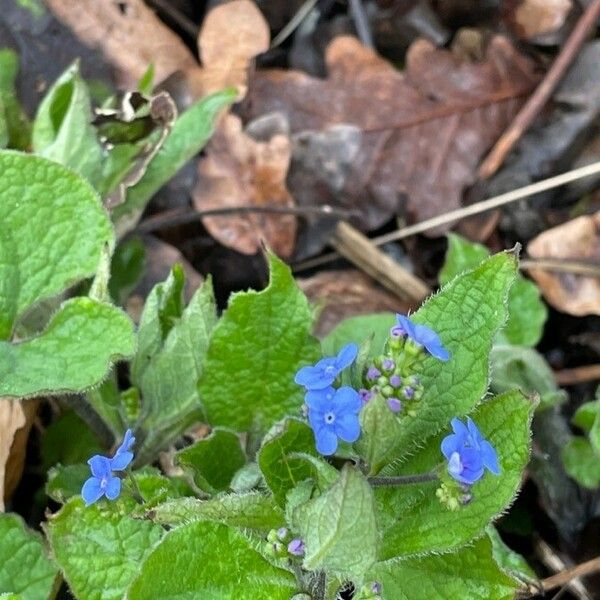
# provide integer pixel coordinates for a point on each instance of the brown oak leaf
(417, 135)
(576, 239)
(238, 171)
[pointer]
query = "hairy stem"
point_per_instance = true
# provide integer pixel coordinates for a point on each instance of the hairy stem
(403, 479)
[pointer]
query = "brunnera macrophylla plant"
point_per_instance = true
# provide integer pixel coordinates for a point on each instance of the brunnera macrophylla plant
(371, 469)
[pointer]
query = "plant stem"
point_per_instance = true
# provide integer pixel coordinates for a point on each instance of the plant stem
(403, 479)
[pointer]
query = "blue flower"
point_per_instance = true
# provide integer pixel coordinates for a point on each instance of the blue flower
(468, 453)
(103, 482)
(324, 373)
(333, 414)
(424, 336)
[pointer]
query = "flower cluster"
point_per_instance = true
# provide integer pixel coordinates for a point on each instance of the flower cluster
(332, 413)
(103, 482)
(395, 374)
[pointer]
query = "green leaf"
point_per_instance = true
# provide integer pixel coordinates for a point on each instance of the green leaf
(251, 510)
(127, 268)
(16, 126)
(466, 313)
(527, 312)
(281, 471)
(146, 82)
(582, 462)
(357, 330)
(68, 440)
(214, 460)
(471, 573)
(100, 548)
(411, 518)
(170, 400)
(587, 417)
(209, 561)
(155, 488)
(524, 368)
(462, 255)
(25, 568)
(62, 129)
(105, 399)
(188, 136)
(257, 347)
(339, 527)
(73, 353)
(64, 482)
(510, 561)
(41, 251)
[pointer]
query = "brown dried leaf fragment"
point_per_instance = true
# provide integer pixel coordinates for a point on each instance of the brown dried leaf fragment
(231, 36)
(13, 417)
(129, 34)
(576, 239)
(344, 294)
(420, 133)
(240, 171)
(532, 18)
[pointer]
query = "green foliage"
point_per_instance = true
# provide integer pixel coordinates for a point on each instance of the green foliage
(100, 548)
(15, 129)
(62, 129)
(339, 527)
(412, 520)
(359, 329)
(64, 482)
(510, 561)
(524, 368)
(259, 343)
(471, 573)
(581, 456)
(209, 561)
(527, 312)
(171, 356)
(25, 569)
(251, 510)
(281, 471)
(127, 268)
(73, 353)
(214, 460)
(188, 136)
(467, 313)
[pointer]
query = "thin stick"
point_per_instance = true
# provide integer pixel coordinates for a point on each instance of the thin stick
(178, 17)
(468, 211)
(403, 479)
(577, 375)
(294, 23)
(538, 99)
(564, 577)
(357, 10)
(561, 265)
(173, 218)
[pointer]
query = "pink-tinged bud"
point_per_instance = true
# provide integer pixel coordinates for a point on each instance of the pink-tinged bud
(395, 381)
(373, 373)
(394, 405)
(296, 547)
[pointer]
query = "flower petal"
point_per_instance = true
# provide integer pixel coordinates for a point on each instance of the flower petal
(346, 400)
(316, 418)
(127, 443)
(450, 444)
(321, 400)
(346, 356)
(347, 427)
(490, 457)
(432, 342)
(113, 488)
(474, 432)
(460, 429)
(326, 440)
(100, 466)
(406, 324)
(313, 378)
(121, 461)
(91, 491)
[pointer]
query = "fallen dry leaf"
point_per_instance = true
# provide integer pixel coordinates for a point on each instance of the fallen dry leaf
(12, 418)
(577, 239)
(231, 36)
(238, 170)
(347, 293)
(129, 34)
(419, 134)
(532, 18)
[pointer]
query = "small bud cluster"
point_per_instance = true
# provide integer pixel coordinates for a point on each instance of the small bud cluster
(281, 545)
(371, 591)
(453, 494)
(395, 374)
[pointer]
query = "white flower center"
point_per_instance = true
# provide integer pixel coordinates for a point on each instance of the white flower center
(329, 418)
